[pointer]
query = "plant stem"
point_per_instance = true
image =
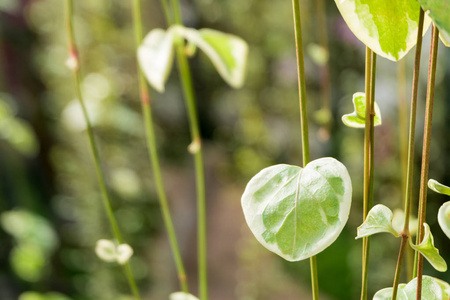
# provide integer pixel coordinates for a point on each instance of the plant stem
(368, 158)
(426, 153)
(74, 65)
(304, 122)
(195, 148)
(153, 154)
(410, 162)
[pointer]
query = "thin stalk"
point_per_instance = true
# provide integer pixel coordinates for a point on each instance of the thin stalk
(304, 122)
(426, 152)
(368, 158)
(153, 154)
(196, 149)
(410, 162)
(73, 62)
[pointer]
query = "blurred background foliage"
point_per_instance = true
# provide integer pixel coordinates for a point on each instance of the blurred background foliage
(51, 212)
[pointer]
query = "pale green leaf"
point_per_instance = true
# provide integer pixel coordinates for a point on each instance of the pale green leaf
(319, 55)
(182, 296)
(432, 289)
(378, 220)
(387, 27)
(109, 251)
(155, 57)
(357, 119)
(398, 221)
(227, 52)
(445, 288)
(444, 218)
(431, 253)
(438, 11)
(438, 187)
(298, 212)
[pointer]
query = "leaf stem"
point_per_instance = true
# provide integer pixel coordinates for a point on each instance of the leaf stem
(74, 65)
(153, 154)
(368, 158)
(426, 153)
(304, 122)
(196, 150)
(410, 161)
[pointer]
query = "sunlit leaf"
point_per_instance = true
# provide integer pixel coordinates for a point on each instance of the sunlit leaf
(357, 119)
(109, 251)
(398, 221)
(432, 289)
(124, 253)
(445, 288)
(156, 57)
(444, 218)
(298, 212)
(227, 52)
(39, 296)
(438, 11)
(182, 296)
(28, 262)
(438, 187)
(378, 220)
(431, 253)
(387, 27)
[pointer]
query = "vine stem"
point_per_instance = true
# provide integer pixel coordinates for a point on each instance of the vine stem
(73, 63)
(153, 154)
(304, 122)
(426, 153)
(368, 158)
(195, 148)
(410, 162)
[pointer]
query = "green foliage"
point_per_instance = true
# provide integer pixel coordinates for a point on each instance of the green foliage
(378, 220)
(227, 52)
(438, 11)
(438, 187)
(444, 218)
(372, 21)
(39, 296)
(298, 212)
(429, 251)
(432, 289)
(357, 119)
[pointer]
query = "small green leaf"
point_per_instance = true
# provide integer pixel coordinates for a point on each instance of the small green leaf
(182, 296)
(398, 221)
(319, 55)
(438, 11)
(378, 220)
(432, 289)
(438, 187)
(387, 27)
(155, 57)
(298, 212)
(444, 218)
(357, 119)
(227, 52)
(430, 252)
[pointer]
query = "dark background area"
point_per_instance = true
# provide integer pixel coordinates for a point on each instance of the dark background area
(48, 187)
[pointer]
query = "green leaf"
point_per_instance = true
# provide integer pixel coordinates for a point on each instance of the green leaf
(445, 288)
(432, 289)
(444, 218)
(298, 212)
(378, 220)
(227, 52)
(387, 27)
(438, 187)
(182, 296)
(438, 11)
(430, 252)
(155, 57)
(398, 221)
(357, 119)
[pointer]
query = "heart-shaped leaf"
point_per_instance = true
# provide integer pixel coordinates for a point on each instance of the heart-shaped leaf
(444, 218)
(398, 221)
(438, 11)
(387, 27)
(357, 119)
(379, 219)
(182, 296)
(156, 57)
(432, 289)
(298, 212)
(438, 187)
(109, 251)
(431, 253)
(227, 52)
